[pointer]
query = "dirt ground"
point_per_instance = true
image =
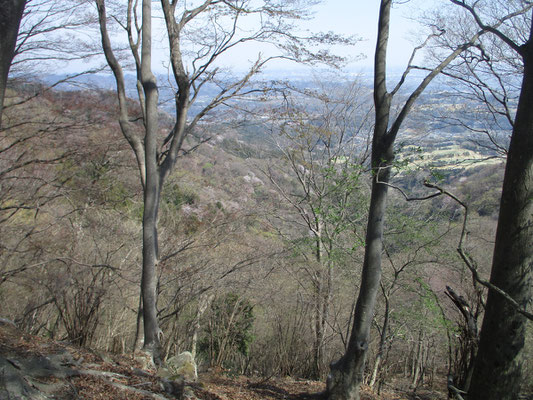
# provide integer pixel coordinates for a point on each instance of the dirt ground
(37, 368)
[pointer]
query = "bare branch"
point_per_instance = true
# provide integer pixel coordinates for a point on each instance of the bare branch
(494, 29)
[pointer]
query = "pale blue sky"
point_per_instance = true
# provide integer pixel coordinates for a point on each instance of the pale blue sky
(348, 17)
(359, 18)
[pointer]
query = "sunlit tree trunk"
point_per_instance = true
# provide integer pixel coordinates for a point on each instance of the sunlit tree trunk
(152, 190)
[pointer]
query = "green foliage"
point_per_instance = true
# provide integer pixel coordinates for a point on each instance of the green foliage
(95, 181)
(437, 176)
(228, 332)
(179, 195)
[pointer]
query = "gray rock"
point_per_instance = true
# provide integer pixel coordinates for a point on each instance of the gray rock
(182, 365)
(13, 384)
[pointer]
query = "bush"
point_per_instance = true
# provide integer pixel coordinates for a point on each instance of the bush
(228, 331)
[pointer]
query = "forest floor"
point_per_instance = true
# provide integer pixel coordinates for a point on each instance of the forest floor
(36, 368)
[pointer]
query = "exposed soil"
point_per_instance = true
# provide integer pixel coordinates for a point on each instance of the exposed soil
(37, 368)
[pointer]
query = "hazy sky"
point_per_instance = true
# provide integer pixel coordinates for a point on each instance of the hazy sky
(349, 17)
(359, 17)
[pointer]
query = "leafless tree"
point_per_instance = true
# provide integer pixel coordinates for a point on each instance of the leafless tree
(325, 151)
(347, 373)
(198, 35)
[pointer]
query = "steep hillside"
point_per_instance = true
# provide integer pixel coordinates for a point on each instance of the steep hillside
(240, 282)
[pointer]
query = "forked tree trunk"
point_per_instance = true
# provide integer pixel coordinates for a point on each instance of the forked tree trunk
(153, 172)
(498, 368)
(347, 374)
(10, 16)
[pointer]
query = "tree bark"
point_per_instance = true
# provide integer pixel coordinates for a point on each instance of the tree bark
(347, 373)
(138, 326)
(498, 368)
(152, 191)
(11, 12)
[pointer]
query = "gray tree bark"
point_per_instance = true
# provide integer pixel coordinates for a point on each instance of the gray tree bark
(347, 373)
(498, 367)
(11, 12)
(152, 191)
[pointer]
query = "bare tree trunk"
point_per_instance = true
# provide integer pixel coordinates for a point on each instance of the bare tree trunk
(325, 314)
(498, 368)
(10, 16)
(221, 356)
(471, 340)
(322, 302)
(382, 339)
(152, 192)
(347, 374)
(317, 323)
(203, 304)
(417, 360)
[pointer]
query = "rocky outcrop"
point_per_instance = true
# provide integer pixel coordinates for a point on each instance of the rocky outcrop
(33, 368)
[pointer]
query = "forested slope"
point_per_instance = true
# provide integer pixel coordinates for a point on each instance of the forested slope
(239, 279)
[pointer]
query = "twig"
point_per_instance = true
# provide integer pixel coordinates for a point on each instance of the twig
(468, 261)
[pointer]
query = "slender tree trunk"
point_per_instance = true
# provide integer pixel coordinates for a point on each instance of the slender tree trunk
(469, 350)
(381, 348)
(498, 367)
(318, 323)
(203, 303)
(138, 326)
(418, 360)
(221, 356)
(322, 302)
(152, 192)
(325, 314)
(10, 16)
(347, 374)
